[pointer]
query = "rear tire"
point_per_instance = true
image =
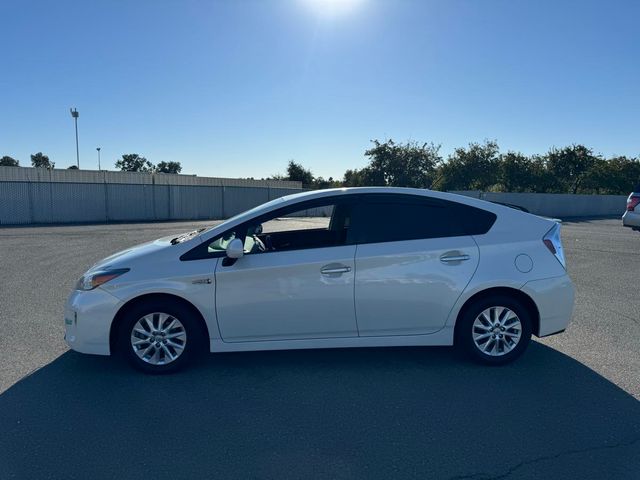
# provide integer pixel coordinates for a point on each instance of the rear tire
(494, 330)
(159, 337)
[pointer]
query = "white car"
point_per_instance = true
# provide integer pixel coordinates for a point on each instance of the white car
(351, 267)
(631, 217)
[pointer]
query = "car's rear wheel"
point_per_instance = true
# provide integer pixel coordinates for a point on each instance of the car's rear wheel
(159, 337)
(495, 330)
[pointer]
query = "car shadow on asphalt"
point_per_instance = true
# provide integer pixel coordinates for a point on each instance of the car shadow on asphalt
(357, 413)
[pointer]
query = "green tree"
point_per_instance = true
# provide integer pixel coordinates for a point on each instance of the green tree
(624, 174)
(132, 162)
(352, 178)
(569, 166)
(515, 172)
(615, 176)
(297, 173)
(408, 164)
(320, 182)
(40, 160)
(7, 161)
(471, 168)
(542, 180)
(169, 167)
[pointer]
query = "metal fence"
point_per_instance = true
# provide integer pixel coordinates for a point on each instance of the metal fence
(40, 196)
(39, 200)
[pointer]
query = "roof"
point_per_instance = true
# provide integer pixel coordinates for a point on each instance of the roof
(453, 197)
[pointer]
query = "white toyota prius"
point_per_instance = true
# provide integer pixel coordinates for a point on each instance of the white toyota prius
(351, 267)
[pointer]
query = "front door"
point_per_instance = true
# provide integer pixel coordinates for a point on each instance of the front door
(295, 280)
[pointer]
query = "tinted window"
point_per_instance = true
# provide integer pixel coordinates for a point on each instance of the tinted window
(476, 221)
(390, 218)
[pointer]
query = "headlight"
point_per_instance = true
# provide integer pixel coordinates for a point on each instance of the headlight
(89, 281)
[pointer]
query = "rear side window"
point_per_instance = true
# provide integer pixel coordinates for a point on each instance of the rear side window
(392, 218)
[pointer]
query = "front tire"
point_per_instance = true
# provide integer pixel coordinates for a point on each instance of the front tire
(494, 330)
(159, 337)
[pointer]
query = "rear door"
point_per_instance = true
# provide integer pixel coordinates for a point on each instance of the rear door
(414, 258)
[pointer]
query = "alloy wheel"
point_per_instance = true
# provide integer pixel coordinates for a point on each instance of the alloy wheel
(158, 338)
(496, 331)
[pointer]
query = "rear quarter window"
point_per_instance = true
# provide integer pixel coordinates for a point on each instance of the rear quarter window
(474, 221)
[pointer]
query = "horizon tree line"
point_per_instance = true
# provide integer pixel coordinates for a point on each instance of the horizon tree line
(481, 166)
(478, 166)
(130, 162)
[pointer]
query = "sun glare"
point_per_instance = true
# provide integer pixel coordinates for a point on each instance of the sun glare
(333, 7)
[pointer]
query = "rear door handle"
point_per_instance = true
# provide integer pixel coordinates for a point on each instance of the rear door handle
(329, 269)
(454, 258)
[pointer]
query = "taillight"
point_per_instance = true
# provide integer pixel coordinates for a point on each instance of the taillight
(554, 244)
(632, 203)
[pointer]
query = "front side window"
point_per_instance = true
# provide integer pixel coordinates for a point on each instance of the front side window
(305, 226)
(311, 224)
(220, 243)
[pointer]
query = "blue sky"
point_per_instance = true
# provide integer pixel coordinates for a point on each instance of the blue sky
(238, 88)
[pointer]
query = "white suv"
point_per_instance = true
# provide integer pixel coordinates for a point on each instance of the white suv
(353, 267)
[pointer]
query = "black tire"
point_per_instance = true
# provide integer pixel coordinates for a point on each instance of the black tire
(193, 342)
(465, 331)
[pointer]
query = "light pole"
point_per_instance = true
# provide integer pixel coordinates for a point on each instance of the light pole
(98, 149)
(75, 115)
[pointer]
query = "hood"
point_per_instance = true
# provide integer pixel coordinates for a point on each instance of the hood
(125, 258)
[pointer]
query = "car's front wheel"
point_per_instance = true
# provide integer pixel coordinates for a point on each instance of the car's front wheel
(495, 330)
(159, 337)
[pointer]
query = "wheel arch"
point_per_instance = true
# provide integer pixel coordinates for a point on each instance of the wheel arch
(151, 297)
(519, 295)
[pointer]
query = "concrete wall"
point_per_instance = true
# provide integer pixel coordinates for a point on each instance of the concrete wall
(558, 204)
(28, 174)
(37, 196)
(33, 196)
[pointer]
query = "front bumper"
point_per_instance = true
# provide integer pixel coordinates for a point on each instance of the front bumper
(87, 318)
(631, 219)
(554, 298)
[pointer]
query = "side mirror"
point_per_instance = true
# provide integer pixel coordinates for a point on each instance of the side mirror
(235, 249)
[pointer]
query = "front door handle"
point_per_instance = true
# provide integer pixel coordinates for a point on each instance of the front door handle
(454, 258)
(333, 269)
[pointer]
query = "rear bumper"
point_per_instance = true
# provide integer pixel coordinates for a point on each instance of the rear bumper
(554, 298)
(87, 320)
(631, 219)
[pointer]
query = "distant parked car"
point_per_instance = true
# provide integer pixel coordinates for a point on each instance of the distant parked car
(374, 267)
(631, 217)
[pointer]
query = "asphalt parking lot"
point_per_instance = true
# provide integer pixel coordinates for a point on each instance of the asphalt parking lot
(568, 409)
